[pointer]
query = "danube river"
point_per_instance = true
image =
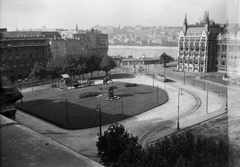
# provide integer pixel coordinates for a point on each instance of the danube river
(138, 51)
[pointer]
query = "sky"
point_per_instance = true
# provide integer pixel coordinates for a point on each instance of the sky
(31, 14)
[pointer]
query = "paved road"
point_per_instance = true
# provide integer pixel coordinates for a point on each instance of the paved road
(84, 141)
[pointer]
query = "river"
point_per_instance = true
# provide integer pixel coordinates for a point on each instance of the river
(138, 51)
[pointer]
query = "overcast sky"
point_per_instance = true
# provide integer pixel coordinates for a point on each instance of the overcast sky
(88, 13)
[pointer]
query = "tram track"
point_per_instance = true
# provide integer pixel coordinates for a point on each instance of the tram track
(144, 139)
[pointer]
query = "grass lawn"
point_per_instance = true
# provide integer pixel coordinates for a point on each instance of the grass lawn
(50, 105)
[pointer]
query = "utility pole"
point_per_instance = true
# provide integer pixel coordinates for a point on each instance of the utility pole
(157, 94)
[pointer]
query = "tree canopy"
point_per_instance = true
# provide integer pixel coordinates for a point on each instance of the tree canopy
(38, 71)
(107, 64)
(114, 143)
(118, 148)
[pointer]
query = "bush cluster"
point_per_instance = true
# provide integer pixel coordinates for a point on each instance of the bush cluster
(130, 84)
(88, 94)
(118, 148)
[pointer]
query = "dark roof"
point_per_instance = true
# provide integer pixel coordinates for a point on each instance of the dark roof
(21, 34)
(29, 34)
(51, 34)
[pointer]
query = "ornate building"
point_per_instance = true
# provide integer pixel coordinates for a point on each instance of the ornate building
(198, 45)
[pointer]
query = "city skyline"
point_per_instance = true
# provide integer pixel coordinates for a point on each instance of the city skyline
(32, 14)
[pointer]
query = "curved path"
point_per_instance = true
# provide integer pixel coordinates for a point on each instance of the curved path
(151, 132)
(143, 125)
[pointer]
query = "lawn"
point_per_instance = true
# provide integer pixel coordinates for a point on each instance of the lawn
(50, 105)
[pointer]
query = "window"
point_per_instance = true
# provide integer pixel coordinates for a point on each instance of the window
(218, 47)
(223, 63)
(197, 46)
(191, 46)
(202, 46)
(181, 46)
(186, 45)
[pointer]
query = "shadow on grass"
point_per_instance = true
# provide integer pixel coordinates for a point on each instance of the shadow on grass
(170, 80)
(117, 76)
(71, 117)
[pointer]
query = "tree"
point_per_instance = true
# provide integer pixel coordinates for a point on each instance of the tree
(92, 63)
(107, 64)
(116, 142)
(38, 71)
(163, 59)
(54, 67)
(69, 65)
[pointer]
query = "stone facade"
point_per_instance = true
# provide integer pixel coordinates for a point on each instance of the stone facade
(198, 46)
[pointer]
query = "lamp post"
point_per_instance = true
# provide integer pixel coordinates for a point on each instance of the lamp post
(98, 109)
(226, 91)
(153, 79)
(207, 103)
(226, 100)
(122, 105)
(67, 111)
(184, 76)
(178, 110)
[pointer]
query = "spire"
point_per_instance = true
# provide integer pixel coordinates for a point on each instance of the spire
(76, 27)
(206, 17)
(185, 20)
(185, 24)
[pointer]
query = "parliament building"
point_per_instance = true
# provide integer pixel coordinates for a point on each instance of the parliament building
(199, 45)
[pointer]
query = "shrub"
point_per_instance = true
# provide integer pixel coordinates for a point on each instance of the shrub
(88, 94)
(117, 142)
(130, 84)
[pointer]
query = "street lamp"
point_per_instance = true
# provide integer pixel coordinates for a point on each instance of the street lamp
(207, 103)
(226, 91)
(98, 109)
(66, 111)
(153, 79)
(178, 109)
(226, 100)
(183, 76)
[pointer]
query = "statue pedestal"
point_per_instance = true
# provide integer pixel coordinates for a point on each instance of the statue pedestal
(108, 92)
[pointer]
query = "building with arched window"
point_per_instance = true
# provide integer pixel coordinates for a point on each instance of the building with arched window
(198, 45)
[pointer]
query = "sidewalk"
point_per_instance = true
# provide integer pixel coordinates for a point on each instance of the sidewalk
(84, 141)
(21, 147)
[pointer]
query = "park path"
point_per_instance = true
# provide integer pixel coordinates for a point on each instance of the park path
(84, 141)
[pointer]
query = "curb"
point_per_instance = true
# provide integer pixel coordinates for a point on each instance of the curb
(184, 129)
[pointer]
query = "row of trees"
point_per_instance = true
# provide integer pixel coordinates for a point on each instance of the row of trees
(72, 65)
(119, 148)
